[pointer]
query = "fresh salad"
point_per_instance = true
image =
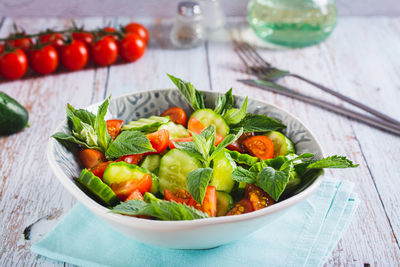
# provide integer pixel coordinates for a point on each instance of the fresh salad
(217, 161)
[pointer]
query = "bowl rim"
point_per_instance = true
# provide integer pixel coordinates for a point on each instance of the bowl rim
(146, 224)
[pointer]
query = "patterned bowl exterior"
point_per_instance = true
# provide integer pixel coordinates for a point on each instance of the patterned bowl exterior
(144, 104)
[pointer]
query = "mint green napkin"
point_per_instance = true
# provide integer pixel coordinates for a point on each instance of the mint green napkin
(304, 236)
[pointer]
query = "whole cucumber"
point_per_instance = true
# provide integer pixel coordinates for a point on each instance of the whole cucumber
(13, 116)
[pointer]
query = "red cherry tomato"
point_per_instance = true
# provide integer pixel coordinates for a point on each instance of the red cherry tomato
(23, 43)
(139, 29)
(179, 196)
(90, 158)
(196, 126)
(74, 56)
(135, 195)
(105, 51)
(259, 198)
(243, 206)
(1, 49)
(124, 189)
(114, 127)
(85, 37)
(159, 140)
(131, 47)
(176, 114)
(260, 146)
(108, 30)
(131, 159)
(13, 65)
(44, 60)
(100, 168)
(55, 39)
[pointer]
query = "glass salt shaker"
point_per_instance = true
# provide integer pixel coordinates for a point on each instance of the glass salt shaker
(188, 30)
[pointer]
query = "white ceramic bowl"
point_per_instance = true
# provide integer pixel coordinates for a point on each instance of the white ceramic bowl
(196, 234)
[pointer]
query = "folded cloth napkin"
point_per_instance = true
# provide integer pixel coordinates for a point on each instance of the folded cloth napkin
(304, 236)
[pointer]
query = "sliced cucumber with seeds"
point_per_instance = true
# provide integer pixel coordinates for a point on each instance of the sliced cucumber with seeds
(224, 203)
(175, 130)
(151, 162)
(97, 188)
(222, 172)
(282, 144)
(146, 124)
(174, 167)
(208, 116)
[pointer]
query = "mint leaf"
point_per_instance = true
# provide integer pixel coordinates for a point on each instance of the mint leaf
(257, 123)
(129, 143)
(242, 158)
(82, 114)
(273, 182)
(100, 126)
(224, 102)
(162, 210)
(60, 136)
(332, 162)
(197, 182)
(229, 139)
(234, 115)
(296, 158)
(190, 148)
(194, 97)
(242, 175)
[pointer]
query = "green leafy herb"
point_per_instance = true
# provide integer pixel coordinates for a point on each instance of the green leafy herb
(289, 162)
(229, 139)
(242, 175)
(197, 182)
(272, 181)
(257, 123)
(224, 102)
(60, 136)
(163, 210)
(332, 162)
(129, 143)
(190, 148)
(193, 96)
(234, 115)
(242, 158)
(100, 126)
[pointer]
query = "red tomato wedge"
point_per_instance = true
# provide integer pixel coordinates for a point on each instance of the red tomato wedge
(177, 115)
(131, 159)
(259, 198)
(135, 195)
(260, 146)
(210, 201)
(90, 158)
(186, 139)
(114, 127)
(99, 169)
(179, 196)
(243, 206)
(196, 126)
(159, 140)
(124, 189)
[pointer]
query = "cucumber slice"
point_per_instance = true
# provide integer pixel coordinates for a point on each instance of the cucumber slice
(208, 116)
(118, 172)
(151, 162)
(242, 158)
(155, 184)
(146, 124)
(224, 203)
(97, 188)
(175, 130)
(174, 167)
(222, 174)
(282, 144)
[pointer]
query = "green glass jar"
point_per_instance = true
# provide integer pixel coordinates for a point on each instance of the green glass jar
(292, 23)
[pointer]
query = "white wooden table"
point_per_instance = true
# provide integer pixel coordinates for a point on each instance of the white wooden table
(361, 60)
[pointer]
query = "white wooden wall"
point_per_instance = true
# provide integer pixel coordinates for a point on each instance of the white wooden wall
(165, 8)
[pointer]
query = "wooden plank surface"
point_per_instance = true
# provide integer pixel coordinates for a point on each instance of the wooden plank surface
(361, 62)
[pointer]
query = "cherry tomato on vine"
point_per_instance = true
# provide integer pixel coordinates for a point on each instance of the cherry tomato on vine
(86, 37)
(139, 29)
(55, 39)
(74, 56)
(131, 47)
(23, 43)
(1, 49)
(109, 30)
(44, 60)
(13, 65)
(105, 51)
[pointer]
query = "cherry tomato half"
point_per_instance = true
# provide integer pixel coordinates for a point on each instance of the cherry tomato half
(114, 127)
(44, 60)
(196, 126)
(259, 198)
(90, 158)
(99, 169)
(13, 65)
(139, 29)
(74, 56)
(260, 146)
(135, 195)
(179, 196)
(131, 159)
(243, 206)
(159, 140)
(177, 115)
(105, 51)
(124, 189)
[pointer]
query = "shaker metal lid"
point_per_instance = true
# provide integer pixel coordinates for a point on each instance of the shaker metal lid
(189, 8)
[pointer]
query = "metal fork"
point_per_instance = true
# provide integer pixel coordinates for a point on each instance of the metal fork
(256, 65)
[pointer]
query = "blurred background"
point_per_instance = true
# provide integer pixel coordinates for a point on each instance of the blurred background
(166, 8)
